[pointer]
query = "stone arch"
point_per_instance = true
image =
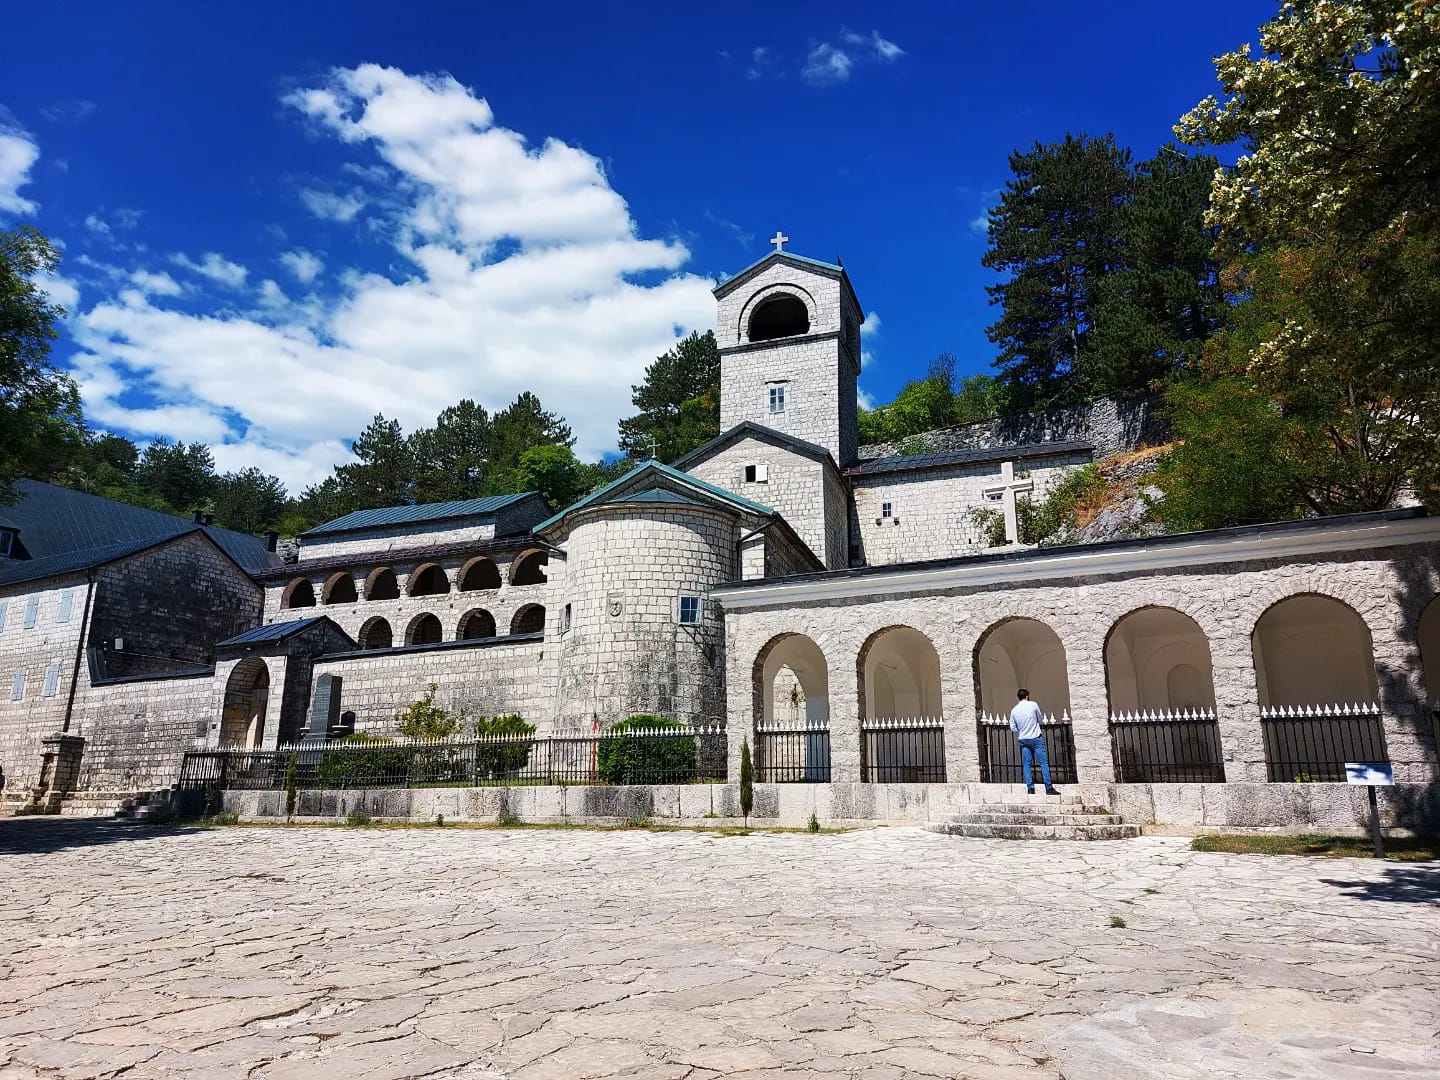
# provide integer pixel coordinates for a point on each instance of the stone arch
(782, 315)
(1313, 649)
(340, 589)
(381, 584)
(1428, 632)
(298, 594)
(424, 629)
(899, 674)
(480, 573)
(247, 697)
(477, 623)
(1021, 652)
(775, 294)
(1158, 657)
(529, 567)
(375, 633)
(530, 619)
(428, 579)
(802, 659)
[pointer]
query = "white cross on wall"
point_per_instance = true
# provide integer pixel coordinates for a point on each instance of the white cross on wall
(779, 240)
(1007, 489)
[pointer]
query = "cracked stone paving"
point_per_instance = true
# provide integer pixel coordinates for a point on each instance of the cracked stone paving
(884, 954)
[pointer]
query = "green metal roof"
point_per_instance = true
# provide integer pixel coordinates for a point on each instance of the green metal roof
(415, 513)
(604, 495)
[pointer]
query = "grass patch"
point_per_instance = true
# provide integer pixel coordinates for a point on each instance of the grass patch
(1397, 849)
(1117, 923)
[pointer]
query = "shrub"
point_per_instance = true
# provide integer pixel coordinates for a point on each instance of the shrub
(290, 787)
(505, 760)
(813, 825)
(424, 719)
(223, 817)
(358, 817)
(634, 754)
(363, 761)
(747, 781)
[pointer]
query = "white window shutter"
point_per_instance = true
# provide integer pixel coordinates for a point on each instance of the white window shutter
(3, 607)
(67, 600)
(32, 610)
(52, 679)
(17, 685)
(762, 473)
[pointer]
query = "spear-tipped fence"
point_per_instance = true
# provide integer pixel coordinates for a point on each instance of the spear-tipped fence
(902, 750)
(1167, 746)
(1000, 761)
(1312, 743)
(792, 752)
(689, 755)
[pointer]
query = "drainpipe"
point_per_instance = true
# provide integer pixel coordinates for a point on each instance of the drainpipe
(90, 588)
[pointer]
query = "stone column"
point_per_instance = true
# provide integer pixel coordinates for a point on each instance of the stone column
(1237, 707)
(957, 696)
(1089, 710)
(844, 716)
(60, 768)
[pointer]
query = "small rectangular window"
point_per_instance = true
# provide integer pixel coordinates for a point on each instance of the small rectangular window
(7, 542)
(17, 685)
(565, 620)
(757, 474)
(690, 610)
(777, 399)
(32, 610)
(67, 601)
(52, 679)
(887, 510)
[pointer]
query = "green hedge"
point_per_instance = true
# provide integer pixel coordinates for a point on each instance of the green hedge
(633, 756)
(502, 762)
(380, 764)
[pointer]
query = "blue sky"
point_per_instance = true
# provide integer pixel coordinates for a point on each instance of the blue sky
(280, 220)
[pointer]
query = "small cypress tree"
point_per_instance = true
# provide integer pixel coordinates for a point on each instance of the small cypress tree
(747, 781)
(290, 789)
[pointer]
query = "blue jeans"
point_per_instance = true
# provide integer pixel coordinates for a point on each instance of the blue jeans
(1034, 748)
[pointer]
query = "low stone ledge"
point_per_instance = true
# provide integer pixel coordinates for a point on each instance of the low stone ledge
(1294, 808)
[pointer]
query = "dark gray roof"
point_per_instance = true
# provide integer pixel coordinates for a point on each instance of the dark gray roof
(916, 462)
(756, 431)
(272, 632)
(512, 542)
(63, 531)
(416, 513)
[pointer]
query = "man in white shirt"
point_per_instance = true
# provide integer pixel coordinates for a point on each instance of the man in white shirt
(1025, 723)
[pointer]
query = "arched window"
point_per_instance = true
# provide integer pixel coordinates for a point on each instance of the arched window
(247, 694)
(1313, 650)
(529, 568)
(791, 686)
(375, 633)
(481, 573)
(382, 585)
(476, 624)
(780, 316)
(1021, 654)
(340, 589)
(299, 593)
(1430, 650)
(429, 580)
(530, 619)
(424, 629)
(1158, 658)
(899, 673)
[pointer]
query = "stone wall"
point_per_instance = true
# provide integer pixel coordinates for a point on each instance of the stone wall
(625, 651)
(934, 509)
(378, 543)
(170, 605)
(1388, 589)
(483, 678)
(50, 645)
(1113, 426)
(137, 732)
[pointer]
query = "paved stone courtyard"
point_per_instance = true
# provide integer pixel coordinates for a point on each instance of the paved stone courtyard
(892, 953)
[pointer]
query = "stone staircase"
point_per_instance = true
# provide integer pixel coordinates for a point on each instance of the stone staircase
(129, 806)
(1037, 817)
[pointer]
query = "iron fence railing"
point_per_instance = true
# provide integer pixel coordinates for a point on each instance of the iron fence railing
(662, 756)
(1312, 743)
(902, 750)
(1167, 746)
(792, 753)
(1000, 761)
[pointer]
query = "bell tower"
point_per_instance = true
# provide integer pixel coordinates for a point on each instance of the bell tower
(789, 336)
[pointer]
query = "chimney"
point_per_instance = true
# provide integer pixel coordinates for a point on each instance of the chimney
(272, 541)
(209, 520)
(197, 516)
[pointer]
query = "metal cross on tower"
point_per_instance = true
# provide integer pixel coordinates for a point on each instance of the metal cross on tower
(779, 240)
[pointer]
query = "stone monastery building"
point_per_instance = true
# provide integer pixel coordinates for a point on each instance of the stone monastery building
(836, 607)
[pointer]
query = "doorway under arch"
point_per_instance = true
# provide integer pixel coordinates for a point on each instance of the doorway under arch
(1021, 653)
(899, 673)
(1313, 650)
(247, 697)
(1158, 658)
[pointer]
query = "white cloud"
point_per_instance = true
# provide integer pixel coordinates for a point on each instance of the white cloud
(215, 267)
(760, 61)
(827, 64)
(96, 224)
(18, 152)
(71, 110)
(871, 326)
(162, 284)
(60, 289)
(332, 207)
(884, 49)
(980, 223)
(303, 264)
(517, 270)
(866, 400)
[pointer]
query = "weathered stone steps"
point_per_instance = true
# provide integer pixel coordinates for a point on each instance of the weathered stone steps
(992, 817)
(1043, 817)
(991, 831)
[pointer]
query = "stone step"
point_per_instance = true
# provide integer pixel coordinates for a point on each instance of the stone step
(1035, 832)
(1033, 817)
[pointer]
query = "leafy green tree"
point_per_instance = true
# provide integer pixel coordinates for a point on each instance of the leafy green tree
(41, 425)
(1056, 234)
(452, 459)
(384, 473)
(423, 719)
(249, 500)
(979, 397)
(1331, 224)
(555, 472)
(525, 423)
(182, 475)
(679, 401)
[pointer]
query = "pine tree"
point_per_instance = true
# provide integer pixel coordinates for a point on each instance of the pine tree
(513, 430)
(679, 401)
(384, 474)
(452, 459)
